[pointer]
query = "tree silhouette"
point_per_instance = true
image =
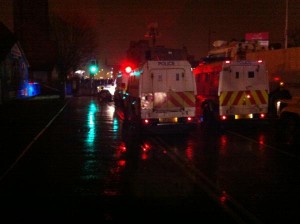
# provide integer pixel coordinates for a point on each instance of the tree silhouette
(76, 44)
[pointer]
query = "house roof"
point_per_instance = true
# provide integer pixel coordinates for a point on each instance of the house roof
(7, 40)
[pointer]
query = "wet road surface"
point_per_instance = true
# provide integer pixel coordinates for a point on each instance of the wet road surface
(86, 166)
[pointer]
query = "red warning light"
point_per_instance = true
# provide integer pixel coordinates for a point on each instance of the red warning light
(128, 69)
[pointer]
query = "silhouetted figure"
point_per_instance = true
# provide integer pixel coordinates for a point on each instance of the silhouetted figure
(278, 94)
(104, 95)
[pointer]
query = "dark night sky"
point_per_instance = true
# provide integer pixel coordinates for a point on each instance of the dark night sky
(180, 22)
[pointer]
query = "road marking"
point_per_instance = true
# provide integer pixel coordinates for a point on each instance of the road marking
(24, 151)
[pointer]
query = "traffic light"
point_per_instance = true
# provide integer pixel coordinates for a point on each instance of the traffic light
(93, 67)
(132, 71)
(128, 69)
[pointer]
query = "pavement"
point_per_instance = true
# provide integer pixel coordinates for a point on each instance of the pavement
(19, 108)
(21, 120)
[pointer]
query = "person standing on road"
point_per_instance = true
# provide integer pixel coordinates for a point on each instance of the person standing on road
(104, 95)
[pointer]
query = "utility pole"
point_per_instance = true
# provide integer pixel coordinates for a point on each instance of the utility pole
(93, 68)
(286, 24)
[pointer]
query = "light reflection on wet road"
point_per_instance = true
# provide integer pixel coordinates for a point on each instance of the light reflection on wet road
(87, 166)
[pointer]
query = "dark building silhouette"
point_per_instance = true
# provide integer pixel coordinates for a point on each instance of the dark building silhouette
(7, 40)
(13, 67)
(140, 51)
(31, 27)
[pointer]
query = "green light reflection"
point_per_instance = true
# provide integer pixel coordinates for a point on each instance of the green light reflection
(115, 128)
(90, 164)
(91, 125)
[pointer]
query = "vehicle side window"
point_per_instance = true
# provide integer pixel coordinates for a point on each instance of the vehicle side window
(237, 75)
(251, 74)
